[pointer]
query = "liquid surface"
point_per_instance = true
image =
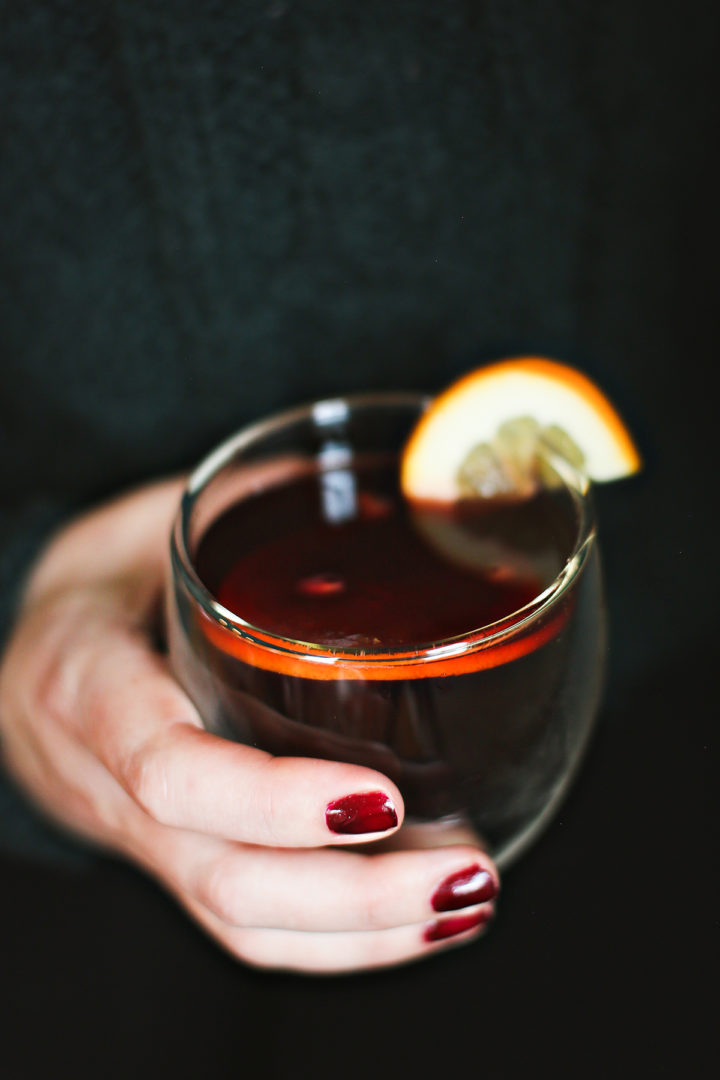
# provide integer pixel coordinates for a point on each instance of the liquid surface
(339, 559)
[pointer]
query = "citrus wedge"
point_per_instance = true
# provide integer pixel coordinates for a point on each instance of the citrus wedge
(519, 403)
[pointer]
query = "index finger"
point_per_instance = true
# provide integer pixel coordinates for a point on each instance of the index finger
(140, 724)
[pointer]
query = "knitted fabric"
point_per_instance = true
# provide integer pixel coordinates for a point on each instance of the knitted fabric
(215, 210)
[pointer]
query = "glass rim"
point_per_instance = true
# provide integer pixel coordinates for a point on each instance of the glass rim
(483, 637)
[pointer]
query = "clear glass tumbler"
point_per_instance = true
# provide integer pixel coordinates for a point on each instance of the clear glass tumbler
(485, 728)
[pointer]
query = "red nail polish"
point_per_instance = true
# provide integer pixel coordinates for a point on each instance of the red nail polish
(463, 889)
(446, 928)
(371, 811)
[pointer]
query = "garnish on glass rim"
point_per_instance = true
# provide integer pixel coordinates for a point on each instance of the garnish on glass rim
(485, 435)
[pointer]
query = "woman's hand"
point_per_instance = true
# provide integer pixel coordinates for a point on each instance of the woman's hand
(102, 738)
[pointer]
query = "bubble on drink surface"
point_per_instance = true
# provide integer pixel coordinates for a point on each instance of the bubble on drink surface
(374, 507)
(323, 584)
(356, 642)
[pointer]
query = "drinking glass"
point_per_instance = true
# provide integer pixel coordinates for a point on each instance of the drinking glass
(484, 729)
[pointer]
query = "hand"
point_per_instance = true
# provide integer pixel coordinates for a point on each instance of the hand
(101, 737)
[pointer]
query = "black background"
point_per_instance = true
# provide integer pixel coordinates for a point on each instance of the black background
(602, 956)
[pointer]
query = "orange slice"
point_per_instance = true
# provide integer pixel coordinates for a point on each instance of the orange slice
(543, 399)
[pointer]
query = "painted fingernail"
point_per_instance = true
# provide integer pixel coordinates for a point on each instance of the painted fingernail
(371, 811)
(464, 888)
(446, 928)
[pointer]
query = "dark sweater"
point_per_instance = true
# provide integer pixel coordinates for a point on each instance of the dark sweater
(214, 210)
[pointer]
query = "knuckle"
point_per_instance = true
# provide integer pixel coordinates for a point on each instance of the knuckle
(55, 691)
(375, 901)
(217, 890)
(267, 813)
(145, 777)
(264, 807)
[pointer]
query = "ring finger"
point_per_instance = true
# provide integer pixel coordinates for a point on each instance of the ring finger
(319, 889)
(330, 953)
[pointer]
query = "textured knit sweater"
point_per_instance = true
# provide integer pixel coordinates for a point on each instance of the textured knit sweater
(213, 210)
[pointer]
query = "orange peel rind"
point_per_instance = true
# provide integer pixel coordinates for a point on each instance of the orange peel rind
(564, 403)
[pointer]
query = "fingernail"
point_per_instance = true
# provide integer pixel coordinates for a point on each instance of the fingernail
(464, 888)
(446, 928)
(371, 811)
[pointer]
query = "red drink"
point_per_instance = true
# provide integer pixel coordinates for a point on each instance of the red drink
(434, 651)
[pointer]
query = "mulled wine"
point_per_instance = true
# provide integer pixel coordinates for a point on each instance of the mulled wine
(455, 648)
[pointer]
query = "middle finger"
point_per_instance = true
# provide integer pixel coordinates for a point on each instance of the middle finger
(322, 889)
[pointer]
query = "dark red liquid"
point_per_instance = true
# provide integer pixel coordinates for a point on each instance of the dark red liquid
(340, 560)
(372, 579)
